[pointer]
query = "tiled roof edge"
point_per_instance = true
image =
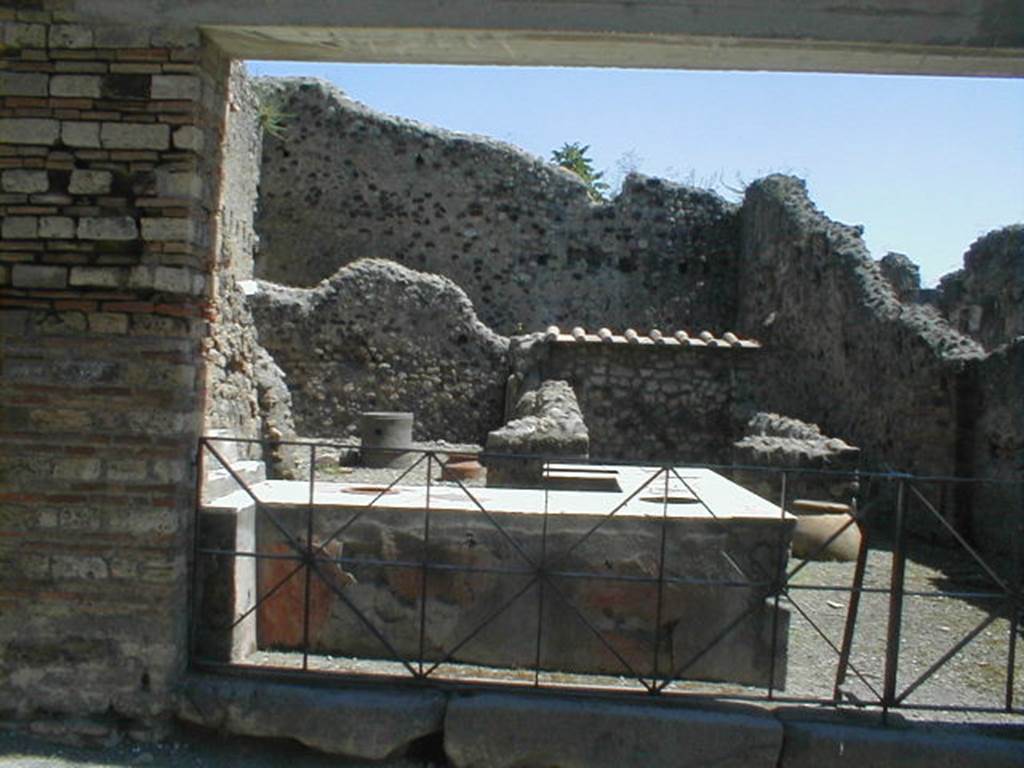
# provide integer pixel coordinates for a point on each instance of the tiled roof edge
(655, 337)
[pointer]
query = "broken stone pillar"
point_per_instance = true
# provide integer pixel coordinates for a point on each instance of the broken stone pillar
(546, 422)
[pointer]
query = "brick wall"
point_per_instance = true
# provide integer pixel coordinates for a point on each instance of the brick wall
(108, 139)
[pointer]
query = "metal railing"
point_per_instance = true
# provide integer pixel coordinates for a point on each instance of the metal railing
(302, 586)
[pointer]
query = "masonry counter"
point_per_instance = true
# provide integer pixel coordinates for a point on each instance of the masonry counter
(626, 570)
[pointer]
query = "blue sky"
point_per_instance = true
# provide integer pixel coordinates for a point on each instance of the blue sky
(927, 165)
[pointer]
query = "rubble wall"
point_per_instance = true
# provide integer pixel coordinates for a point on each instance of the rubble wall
(517, 234)
(379, 337)
(648, 402)
(231, 349)
(841, 350)
(985, 299)
(998, 449)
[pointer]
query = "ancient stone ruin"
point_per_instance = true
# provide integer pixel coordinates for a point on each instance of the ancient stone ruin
(414, 243)
(163, 263)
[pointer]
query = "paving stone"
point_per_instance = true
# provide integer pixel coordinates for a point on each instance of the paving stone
(28, 130)
(498, 730)
(362, 724)
(811, 745)
(26, 181)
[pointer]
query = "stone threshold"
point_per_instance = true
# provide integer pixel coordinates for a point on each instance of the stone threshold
(506, 729)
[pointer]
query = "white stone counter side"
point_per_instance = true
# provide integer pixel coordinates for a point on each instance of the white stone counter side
(718, 497)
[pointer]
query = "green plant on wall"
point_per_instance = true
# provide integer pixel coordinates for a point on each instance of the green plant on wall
(272, 117)
(573, 157)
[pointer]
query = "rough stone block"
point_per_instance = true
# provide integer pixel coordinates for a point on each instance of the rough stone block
(108, 322)
(189, 137)
(126, 86)
(98, 277)
(39, 276)
(808, 745)
(27, 182)
(80, 134)
(25, 35)
(78, 468)
(57, 227)
(75, 86)
(168, 279)
(186, 184)
(504, 730)
(70, 36)
(168, 229)
(176, 87)
(175, 37)
(107, 228)
(361, 724)
(23, 83)
(20, 227)
(135, 136)
(28, 130)
(90, 182)
(79, 567)
(121, 36)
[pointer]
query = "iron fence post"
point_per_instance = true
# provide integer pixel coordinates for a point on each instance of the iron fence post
(193, 620)
(541, 576)
(777, 586)
(660, 592)
(896, 584)
(424, 566)
(852, 610)
(308, 557)
(1015, 602)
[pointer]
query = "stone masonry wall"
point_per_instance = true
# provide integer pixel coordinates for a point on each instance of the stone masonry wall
(985, 299)
(517, 234)
(380, 337)
(649, 402)
(108, 146)
(231, 350)
(844, 352)
(998, 449)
